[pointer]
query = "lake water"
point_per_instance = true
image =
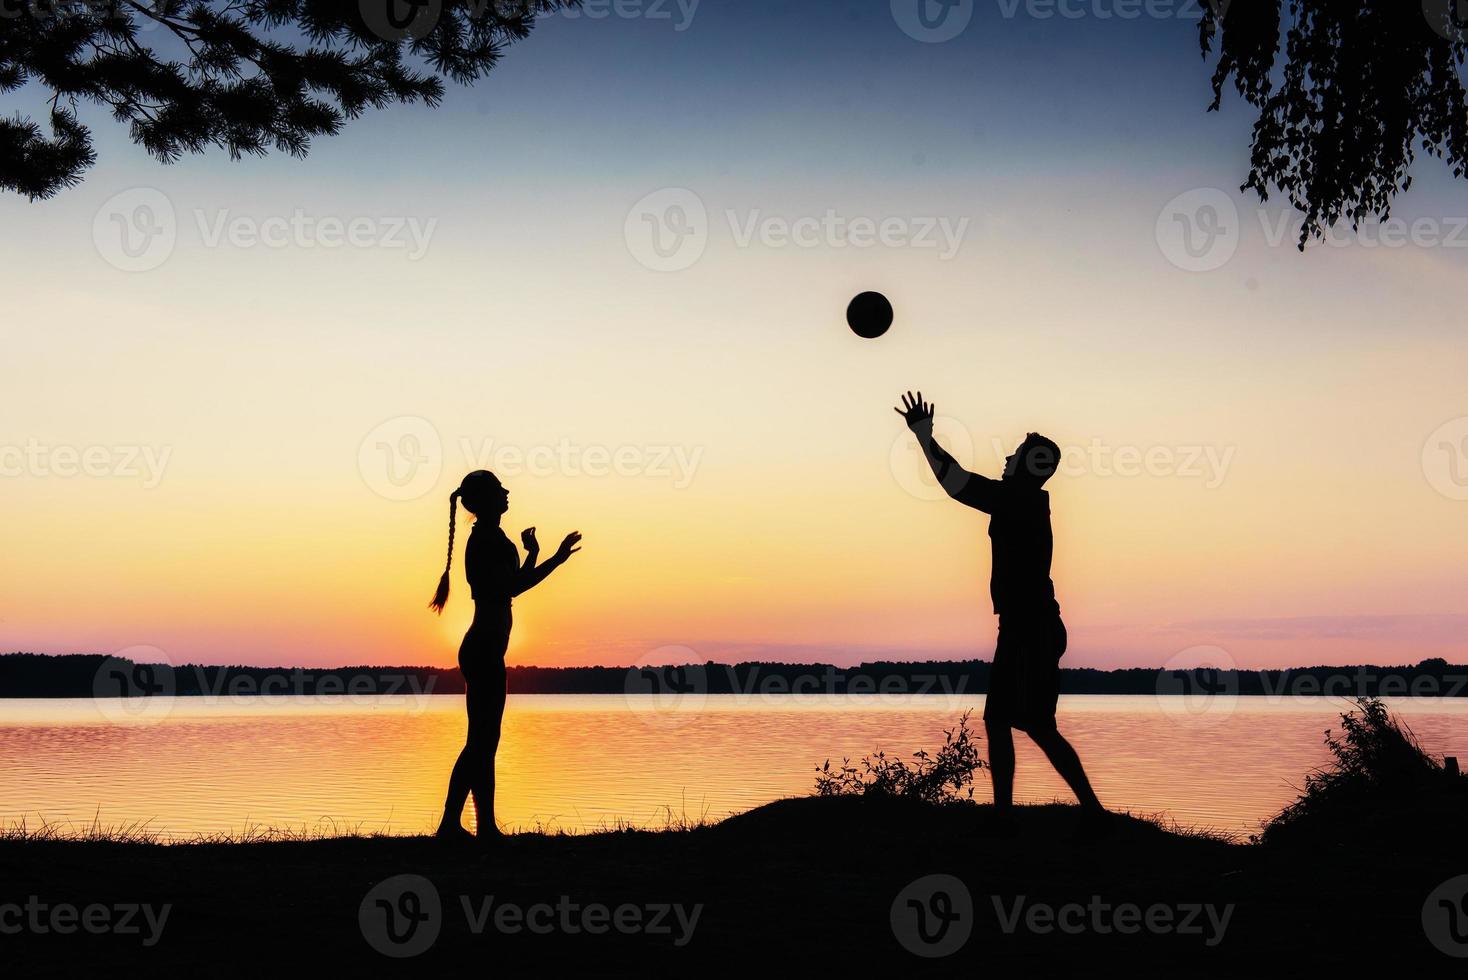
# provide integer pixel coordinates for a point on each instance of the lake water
(580, 762)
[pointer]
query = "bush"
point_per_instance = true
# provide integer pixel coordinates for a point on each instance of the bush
(947, 777)
(1381, 789)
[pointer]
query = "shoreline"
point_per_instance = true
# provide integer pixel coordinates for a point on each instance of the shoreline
(88, 675)
(816, 878)
(731, 695)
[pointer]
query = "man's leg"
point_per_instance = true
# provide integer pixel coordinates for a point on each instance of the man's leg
(1066, 762)
(1001, 764)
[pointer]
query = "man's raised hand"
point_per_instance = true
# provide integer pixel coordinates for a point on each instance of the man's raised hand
(917, 413)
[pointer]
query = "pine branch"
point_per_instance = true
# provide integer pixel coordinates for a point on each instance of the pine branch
(240, 90)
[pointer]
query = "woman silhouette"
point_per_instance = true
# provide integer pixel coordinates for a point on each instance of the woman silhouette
(492, 566)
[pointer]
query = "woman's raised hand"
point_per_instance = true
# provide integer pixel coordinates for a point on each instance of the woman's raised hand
(569, 546)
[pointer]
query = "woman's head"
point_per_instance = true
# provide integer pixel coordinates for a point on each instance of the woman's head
(482, 495)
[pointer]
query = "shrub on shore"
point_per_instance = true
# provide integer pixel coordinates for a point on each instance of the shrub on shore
(944, 777)
(1380, 789)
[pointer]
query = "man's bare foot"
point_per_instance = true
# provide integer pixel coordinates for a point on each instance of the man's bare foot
(1001, 824)
(454, 834)
(1095, 824)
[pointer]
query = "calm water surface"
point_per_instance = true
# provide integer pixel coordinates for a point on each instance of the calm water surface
(579, 762)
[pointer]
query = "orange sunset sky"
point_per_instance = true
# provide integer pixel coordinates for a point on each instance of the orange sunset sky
(1260, 461)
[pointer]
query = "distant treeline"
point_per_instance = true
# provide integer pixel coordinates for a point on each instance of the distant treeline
(25, 675)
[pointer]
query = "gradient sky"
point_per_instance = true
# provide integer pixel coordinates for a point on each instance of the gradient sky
(1289, 514)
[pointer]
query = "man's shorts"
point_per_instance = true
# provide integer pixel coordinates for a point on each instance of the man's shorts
(1024, 683)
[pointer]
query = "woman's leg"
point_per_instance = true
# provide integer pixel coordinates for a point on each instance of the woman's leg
(481, 659)
(462, 774)
(486, 742)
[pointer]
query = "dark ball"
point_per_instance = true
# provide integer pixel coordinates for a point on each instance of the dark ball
(869, 315)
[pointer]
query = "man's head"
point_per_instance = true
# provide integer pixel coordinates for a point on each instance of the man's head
(1034, 462)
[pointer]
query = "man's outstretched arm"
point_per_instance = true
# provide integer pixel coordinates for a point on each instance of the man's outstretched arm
(965, 487)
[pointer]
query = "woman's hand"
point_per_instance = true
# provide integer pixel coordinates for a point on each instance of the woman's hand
(527, 538)
(569, 546)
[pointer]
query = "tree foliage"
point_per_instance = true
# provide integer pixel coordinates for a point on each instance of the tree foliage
(246, 76)
(1363, 86)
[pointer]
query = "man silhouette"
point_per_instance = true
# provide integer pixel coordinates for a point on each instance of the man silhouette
(1024, 683)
